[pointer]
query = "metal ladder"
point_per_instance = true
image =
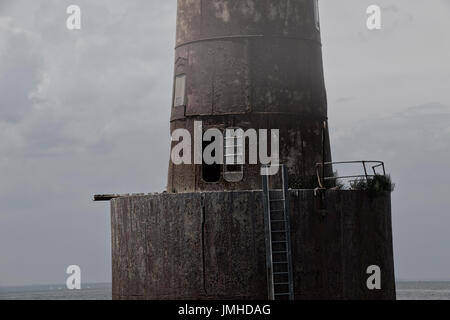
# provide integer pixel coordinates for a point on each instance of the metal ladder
(278, 239)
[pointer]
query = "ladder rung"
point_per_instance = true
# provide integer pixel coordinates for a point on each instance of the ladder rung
(279, 213)
(277, 210)
(229, 155)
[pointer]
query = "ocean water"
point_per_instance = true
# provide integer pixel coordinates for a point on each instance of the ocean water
(57, 292)
(405, 291)
(414, 290)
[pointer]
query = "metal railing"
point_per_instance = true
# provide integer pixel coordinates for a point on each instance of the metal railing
(365, 164)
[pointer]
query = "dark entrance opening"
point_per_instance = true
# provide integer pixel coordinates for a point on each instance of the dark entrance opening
(210, 172)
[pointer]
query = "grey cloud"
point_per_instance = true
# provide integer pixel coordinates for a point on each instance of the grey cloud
(20, 67)
(88, 112)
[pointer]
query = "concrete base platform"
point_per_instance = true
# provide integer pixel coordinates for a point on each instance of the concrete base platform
(212, 246)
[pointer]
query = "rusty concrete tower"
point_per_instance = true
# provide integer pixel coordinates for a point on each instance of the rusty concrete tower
(249, 64)
(219, 232)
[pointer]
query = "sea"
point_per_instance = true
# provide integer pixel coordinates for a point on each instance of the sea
(406, 290)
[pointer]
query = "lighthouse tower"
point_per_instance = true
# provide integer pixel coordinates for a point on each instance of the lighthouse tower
(249, 65)
(221, 231)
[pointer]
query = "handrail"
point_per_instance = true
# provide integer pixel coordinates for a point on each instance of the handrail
(376, 163)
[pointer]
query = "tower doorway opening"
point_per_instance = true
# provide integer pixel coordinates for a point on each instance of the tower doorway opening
(210, 172)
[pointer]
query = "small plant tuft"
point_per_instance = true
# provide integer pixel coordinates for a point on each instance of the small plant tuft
(374, 185)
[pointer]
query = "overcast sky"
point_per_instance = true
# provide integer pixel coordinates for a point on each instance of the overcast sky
(85, 112)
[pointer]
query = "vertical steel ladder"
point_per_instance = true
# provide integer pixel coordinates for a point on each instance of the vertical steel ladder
(278, 239)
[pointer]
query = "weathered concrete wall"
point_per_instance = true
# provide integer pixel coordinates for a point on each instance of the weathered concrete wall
(253, 65)
(211, 245)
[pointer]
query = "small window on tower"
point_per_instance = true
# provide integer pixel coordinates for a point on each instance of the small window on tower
(234, 155)
(180, 90)
(316, 14)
